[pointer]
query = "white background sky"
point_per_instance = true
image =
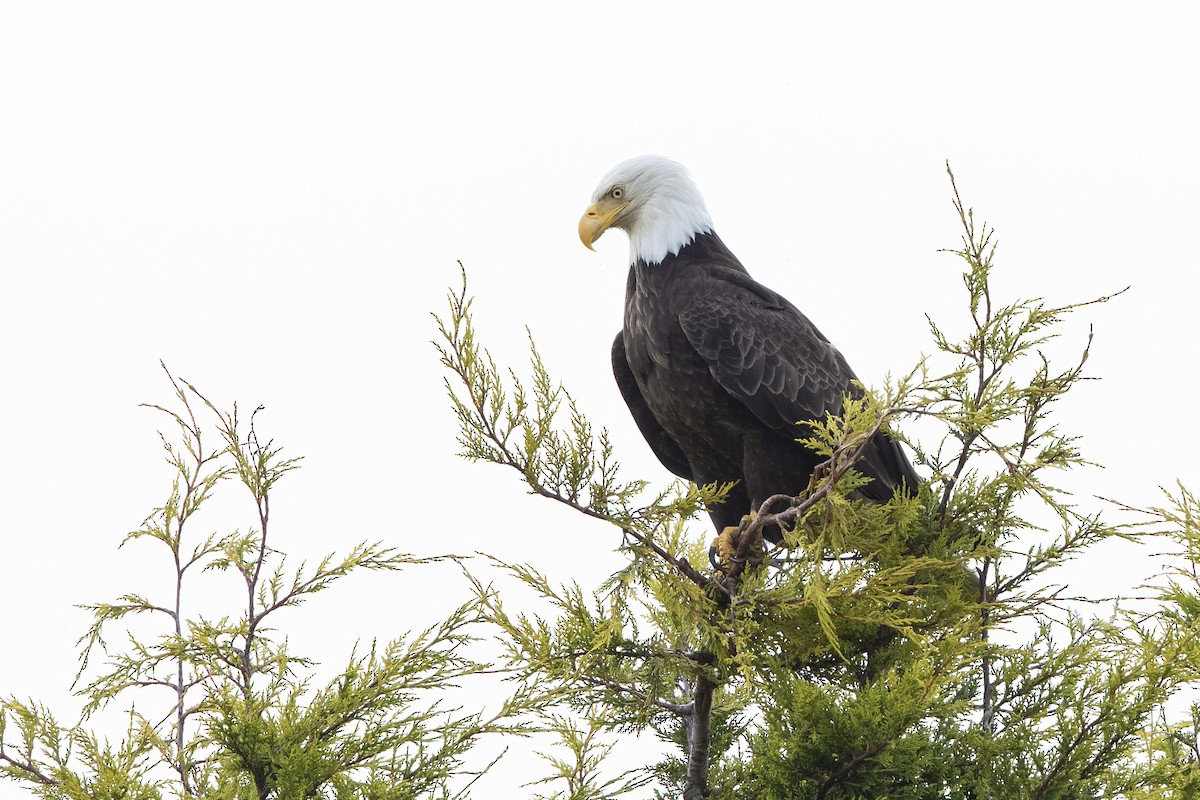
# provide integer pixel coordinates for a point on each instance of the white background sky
(272, 198)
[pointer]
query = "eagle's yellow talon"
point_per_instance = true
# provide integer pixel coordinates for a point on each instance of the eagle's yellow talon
(727, 543)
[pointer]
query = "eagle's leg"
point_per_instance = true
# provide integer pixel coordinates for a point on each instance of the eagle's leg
(773, 465)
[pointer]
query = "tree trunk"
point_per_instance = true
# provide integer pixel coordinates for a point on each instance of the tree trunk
(698, 727)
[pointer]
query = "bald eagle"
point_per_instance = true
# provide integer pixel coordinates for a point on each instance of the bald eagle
(718, 370)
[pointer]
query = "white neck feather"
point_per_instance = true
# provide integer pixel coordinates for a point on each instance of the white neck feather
(664, 224)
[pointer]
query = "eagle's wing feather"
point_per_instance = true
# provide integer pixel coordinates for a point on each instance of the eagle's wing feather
(767, 354)
(664, 446)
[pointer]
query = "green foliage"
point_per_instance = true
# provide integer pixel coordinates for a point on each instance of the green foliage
(582, 766)
(244, 718)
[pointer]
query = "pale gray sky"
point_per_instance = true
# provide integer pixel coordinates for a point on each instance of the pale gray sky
(272, 198)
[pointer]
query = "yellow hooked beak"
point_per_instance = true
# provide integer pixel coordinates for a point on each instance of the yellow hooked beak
(595, 221)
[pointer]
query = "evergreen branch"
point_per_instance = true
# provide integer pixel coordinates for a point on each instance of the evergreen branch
(679, 709)
(576, 471)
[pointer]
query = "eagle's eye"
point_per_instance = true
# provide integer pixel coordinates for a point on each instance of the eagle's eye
(617, 192)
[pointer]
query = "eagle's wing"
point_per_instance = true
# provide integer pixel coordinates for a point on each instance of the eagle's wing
(664, 446)
(767, 354)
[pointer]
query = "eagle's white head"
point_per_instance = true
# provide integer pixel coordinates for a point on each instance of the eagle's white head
(655, 201)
